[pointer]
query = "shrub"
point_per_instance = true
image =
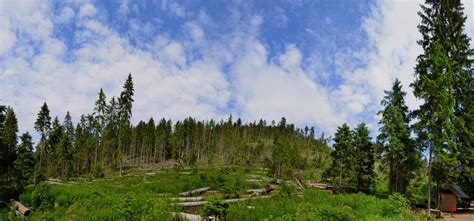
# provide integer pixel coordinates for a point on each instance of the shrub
(128, 208)
(216, 207)
(41, 197)
(397, 203)
(98, 171)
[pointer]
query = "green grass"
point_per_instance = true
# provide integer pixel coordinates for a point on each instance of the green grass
(136, 197)
(320, 205)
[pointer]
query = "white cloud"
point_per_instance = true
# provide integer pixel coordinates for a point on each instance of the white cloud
(391, 53)
(177, 9)
(66, 15)
(195, 31)
(171, 83)
(87, 10)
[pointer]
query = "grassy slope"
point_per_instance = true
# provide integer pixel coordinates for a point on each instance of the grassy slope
(136, 198)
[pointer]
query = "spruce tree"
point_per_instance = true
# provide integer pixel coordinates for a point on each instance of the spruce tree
(9, 140)
(3, 152)
(342, 156)
(25, 161)
(398, 151)
(125, 113)
(68, 126)
(442, 78)
(43, 127)
(364, 159)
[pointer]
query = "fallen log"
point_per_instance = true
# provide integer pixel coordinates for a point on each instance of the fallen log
(263, 190)
(269, 188)
(299, 184)
(187, 216)
(200, 203)
(196, 191)
(244, 199)
(187, 199)
(190, 204)
(21, 209)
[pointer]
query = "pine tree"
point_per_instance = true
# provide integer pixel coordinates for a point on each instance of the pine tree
(68, 126)
(3, 152)
(398, 151)
(439, 68)
(42, 126)
(53, 149)
(125, 113)
(25, 161)
(9, 140)
(342, 156)
(364, 156)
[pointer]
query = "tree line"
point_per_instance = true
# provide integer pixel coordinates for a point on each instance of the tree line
(105, 141)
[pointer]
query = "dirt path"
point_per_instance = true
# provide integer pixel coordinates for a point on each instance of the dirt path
(459, 217)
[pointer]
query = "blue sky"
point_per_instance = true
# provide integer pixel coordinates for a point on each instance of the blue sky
(318, 63)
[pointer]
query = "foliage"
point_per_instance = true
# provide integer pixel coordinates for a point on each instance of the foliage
(319, 205)
(41, 198)
(397, 151)
(364, 156)
(216, 207)
(397, 203)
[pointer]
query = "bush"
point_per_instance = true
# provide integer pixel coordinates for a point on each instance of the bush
(286, 190)
(216, 207)
(41, 198)
(128, 208)
(397, 203)
(98, 171)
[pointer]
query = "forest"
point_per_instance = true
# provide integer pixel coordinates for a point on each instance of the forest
(405, 163)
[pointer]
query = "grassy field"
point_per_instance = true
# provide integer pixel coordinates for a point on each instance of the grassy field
(145, 196)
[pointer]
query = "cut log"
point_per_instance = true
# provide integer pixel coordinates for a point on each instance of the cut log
(318, 185)
(244, 199)
(22, 210)
(299, 184)
(190, 204)
(188, 216)
(259, 191)
(196, 191)
(269, 188)
(187, 199)
(200, 203)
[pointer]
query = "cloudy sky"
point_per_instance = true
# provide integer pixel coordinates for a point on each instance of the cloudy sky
(318, 63)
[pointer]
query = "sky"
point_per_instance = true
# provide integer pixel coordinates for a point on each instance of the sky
(318, 63)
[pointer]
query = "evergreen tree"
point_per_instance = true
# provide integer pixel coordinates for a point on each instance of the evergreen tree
(342, 156)
(25, 161)
(398, 151)
(364, 156)
(68, 126)
(125, 113)
(43, 127)
(3, 152)
(443, 80)
(53, 150)
(9, 142)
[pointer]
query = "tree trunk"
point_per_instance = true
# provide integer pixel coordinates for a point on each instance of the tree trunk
(429, 182)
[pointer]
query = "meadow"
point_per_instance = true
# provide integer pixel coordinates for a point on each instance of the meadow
(145, 195)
